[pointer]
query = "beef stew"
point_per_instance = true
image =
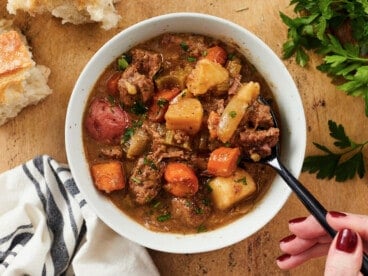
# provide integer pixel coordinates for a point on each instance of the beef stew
(166, 126)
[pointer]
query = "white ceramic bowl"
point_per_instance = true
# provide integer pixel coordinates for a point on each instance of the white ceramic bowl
(293, 131)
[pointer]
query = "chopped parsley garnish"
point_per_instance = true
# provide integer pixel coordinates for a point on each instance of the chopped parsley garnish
(111, 100)
(164, 217)
(232, 114)
(129, 132)
(230, 56)
(139, 108)
(198, 210)
(136, 180)
(201, 228)
(162, 103)
(123, 62)
(150, 163)
(242, 180)
(343, 165)
(184, 46)
(191, 59)
(156, 204)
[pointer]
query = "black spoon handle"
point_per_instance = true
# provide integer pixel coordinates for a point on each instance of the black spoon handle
(310, 202)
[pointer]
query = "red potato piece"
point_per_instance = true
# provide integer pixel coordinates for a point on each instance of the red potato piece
(106, 122)
(108, 176)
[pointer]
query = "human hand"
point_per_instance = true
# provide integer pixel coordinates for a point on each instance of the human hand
(309, 240)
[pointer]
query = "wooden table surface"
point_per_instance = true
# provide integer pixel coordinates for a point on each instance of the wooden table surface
(65, 49)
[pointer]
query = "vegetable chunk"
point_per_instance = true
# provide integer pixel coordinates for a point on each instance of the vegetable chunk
(235, 110)
(186, 115)
(227, 191)
(206, 75)
(181, 180)
(223, 161)
(108, 176)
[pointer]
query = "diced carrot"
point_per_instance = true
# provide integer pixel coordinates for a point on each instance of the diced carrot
(212, 123)
(217, 54)
(223, 161)
(181, 180)
(108, 176)
(160, 104)
(112, 84)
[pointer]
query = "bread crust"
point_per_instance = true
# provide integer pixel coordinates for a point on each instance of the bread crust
(22, 81)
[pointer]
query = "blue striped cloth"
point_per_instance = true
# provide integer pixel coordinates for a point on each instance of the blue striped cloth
(47, 228)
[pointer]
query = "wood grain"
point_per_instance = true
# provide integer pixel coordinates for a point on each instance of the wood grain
(65, 49)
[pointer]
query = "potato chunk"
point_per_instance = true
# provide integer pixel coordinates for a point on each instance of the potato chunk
(226, 191)
(235, 110)
(186, 114)
(206, 74)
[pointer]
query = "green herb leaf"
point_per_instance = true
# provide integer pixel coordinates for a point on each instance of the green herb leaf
(139, 108)
(191, 59)
(341, 165)
(164, 217)
(123, 62)
(232, 114)
(184, 46)
(313, 29)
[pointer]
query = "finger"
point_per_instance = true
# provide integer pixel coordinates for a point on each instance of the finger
(358, 223)
(294, 245)
(288, 261)
(345, 254)
(306, 228)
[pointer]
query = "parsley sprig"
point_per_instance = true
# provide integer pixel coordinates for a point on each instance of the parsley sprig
(342, 165)
(345, 62)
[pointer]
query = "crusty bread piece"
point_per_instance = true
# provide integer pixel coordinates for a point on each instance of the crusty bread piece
(72, 11)
(22, 81)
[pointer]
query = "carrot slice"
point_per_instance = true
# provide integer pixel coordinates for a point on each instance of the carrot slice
(217, 54)
(181, 180)
(160, 104)
(108, 176)
(223, 161)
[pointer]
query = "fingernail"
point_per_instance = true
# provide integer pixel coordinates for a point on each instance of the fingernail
(288, 238)
(297, 220)
(283, 257)
(347, 241)
(336, 214)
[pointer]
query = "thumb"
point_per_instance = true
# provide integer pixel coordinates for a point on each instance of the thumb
(345, 254)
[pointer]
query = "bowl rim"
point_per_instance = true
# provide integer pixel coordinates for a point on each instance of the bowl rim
(224, 236)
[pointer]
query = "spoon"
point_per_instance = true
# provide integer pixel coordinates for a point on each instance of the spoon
(309, 201)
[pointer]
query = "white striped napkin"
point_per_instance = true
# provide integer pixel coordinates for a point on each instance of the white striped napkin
(47, 228)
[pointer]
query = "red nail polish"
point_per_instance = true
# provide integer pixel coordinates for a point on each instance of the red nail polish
(283, 257)
(336, 214)
(297, 220)
(347, 241)
(288, 238)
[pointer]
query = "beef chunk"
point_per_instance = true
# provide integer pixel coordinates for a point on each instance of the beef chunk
(259, 116)
(147, 63)
(133, 87)
(136, 82)
(259, 143)
(145, 181)
(190, 211)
